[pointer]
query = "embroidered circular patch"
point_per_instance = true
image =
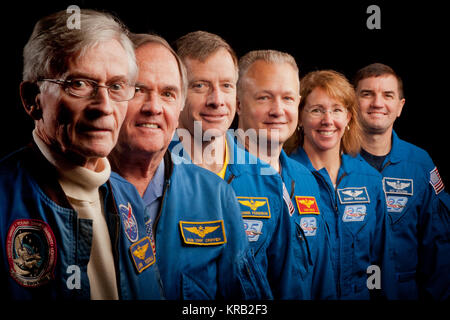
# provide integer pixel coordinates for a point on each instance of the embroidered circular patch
(31, 252)
(129, 222)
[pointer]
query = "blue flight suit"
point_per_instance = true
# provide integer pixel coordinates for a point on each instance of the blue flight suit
(280, 253)
(44, 245)
(356, 217)
(312, 231)
(202, 251)
(419, 224)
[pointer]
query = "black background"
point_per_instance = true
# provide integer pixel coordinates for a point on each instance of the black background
(413, 39)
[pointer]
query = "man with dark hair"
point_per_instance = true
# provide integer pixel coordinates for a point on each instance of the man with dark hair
(418, 206)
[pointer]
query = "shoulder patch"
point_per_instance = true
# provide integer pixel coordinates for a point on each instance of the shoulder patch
(129, 222)
(31, 252)
(307, 205)
(206, 233)
(436, 181)
(353, 195)
(142, 254)
(254, 207)
(398, 186)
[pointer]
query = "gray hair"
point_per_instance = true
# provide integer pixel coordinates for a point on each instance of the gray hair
(53, 43)
(140, 39)
(269, 56)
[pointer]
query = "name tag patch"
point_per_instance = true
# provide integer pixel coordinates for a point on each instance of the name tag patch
(353, 195)
(396, 203)
(253, 229)
(398, 186)
(254, 207)
(206, 233)
(354, 213)
(309, 226)
(142, 254)
(307, 205)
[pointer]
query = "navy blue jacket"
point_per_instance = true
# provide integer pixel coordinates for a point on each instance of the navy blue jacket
(44, 244)
(419, 224)
(356, 217)
(201, 248)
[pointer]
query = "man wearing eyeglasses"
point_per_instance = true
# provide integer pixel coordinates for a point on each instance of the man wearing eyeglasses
(69, 230)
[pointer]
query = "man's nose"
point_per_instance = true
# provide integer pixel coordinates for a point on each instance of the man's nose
(216, 98)
(103, 102)
(378, 101)
(277, 108)
(152, 104)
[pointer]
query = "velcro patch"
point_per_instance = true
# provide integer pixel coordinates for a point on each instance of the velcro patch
(254, 207)
(253, 229)
(398, 186)
(396, 203)
(31, 252)
(207, 233)
(142, 254)
(354, 213)
(353, 195)
(309, 226)
(307, 205)
(436, 181)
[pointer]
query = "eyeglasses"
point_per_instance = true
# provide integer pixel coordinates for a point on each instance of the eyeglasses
(337, 113)
(87, 88)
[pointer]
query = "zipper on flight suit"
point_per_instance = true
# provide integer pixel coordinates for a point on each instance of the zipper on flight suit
(334, 196)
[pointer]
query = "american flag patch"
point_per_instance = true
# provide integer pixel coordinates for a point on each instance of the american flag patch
(288, 201)
(436, 181)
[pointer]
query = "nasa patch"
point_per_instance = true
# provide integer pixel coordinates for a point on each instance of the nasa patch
(31, 252)
(253, 229)
(129, 222)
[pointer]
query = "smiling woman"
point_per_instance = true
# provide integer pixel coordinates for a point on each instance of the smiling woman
(327, 143)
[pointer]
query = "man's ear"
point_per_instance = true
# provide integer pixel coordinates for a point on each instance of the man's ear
(29, 94)
(238, 106)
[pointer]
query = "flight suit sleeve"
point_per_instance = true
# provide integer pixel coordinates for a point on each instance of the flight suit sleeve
(434, 245)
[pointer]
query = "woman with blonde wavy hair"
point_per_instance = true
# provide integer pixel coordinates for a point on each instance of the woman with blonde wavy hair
(327, 142)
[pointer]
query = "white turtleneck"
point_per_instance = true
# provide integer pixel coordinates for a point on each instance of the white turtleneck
(81, 187)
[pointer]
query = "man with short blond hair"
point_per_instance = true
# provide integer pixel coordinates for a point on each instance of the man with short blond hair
(206, 141)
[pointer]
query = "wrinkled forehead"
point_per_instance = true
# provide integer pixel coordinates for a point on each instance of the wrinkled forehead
(100, 62)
